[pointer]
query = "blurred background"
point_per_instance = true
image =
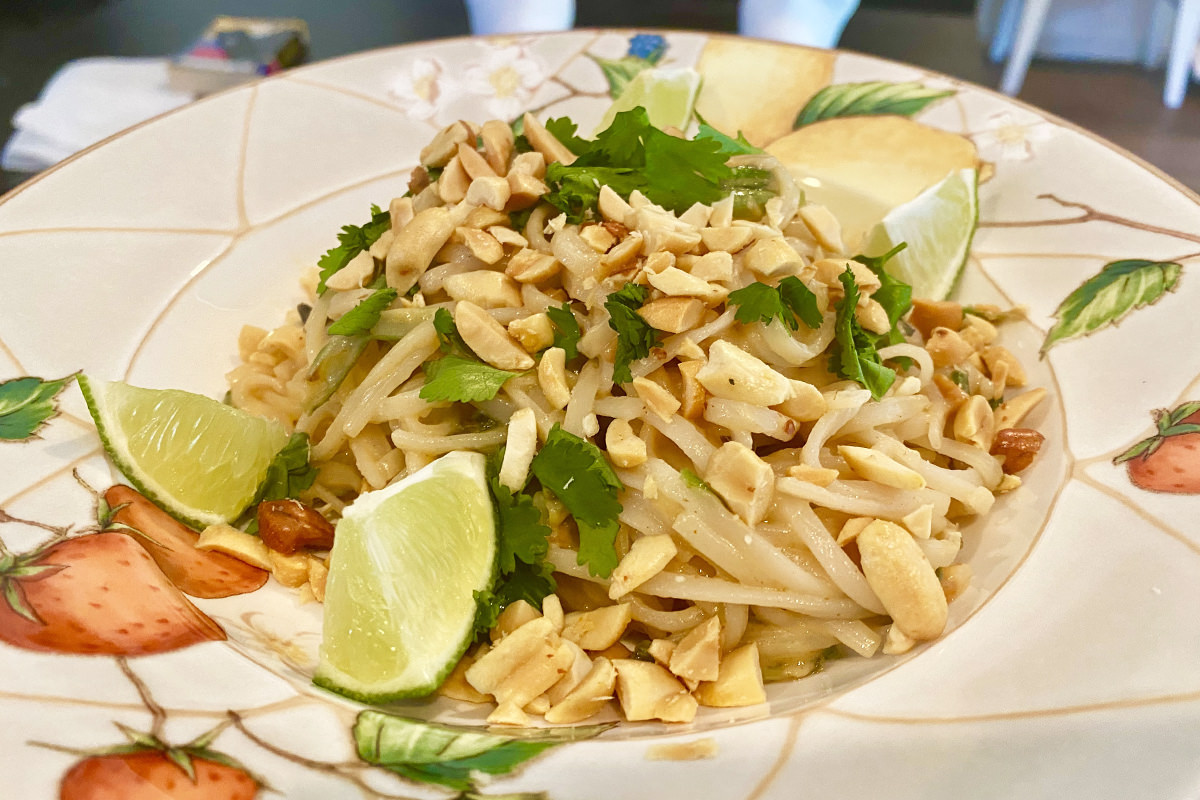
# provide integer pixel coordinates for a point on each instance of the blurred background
(1097, 63)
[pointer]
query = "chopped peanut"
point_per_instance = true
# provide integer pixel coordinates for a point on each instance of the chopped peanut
(947, 347)
(625, 449)
(975, 423)
(288, 526)
(445, 145)
(530, 266)
(929, 314)
(673, 314)
(552, 377)
(482, 245)
(646, 558)
(535, 332)
(903, 579)
(996, 356)
(545, 142)
(727, 240)
(739, 683)
(488, 338)
(453, 183)
(1018, 446)
(498, 143)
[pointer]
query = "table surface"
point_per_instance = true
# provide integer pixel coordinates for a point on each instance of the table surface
(39, 36)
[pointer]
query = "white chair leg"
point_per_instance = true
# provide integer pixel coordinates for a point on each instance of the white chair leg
(1006, 25)
(1158, 34)
(1033, 17)
(1183, 48)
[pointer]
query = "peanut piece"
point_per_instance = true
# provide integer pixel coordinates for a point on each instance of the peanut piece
(903, 579)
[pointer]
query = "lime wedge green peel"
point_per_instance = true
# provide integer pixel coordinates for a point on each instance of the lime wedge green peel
(938, 226)
(400, 598)
(198, 459)
(667, 93)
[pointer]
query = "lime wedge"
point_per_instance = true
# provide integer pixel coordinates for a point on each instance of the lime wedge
(667, 93)
(198, 459)
(938, 225)
(406, 562)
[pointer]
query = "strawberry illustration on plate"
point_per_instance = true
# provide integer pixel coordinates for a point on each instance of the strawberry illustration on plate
(1168, 461)
(172, 545)
(95, 594)
(156, 775)
(147, 768)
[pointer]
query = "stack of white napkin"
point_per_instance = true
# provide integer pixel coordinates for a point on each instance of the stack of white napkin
(86, 101)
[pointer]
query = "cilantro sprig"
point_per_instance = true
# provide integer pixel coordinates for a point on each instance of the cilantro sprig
(579, 475)
(632, 154)
(893, 294)
(466, 380)
(566, 329)
(288, 474)
(351, 241)
(449, 340)
(459, 375)
(523, 541)
(730, 146)
(365, 315)
(791, 302)
(635, 336)
(856, 350)
(855, 356)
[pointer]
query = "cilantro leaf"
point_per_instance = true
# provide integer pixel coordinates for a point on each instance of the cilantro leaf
(523, 542)
(529, 582)
(729, 145)
(363, 316)
(453, 377)
(448, 338)
(632, 154)
(351, 241)
(26, 404)
(564, 129)
(800, 300)
(289, 473)
(579, 475)
(635, 337)
(566, 329)
(855, 357)
(788, 302)
(576, 189)
(522, 537)
(679, 176)
(758, 302)
(894, 295)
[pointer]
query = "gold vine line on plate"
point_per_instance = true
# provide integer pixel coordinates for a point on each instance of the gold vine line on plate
(1089, 214)
(344, 770)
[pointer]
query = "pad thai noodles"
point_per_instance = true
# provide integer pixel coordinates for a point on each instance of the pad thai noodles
(776, 447)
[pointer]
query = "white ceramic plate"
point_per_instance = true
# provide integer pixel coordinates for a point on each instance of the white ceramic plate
(1070, 667)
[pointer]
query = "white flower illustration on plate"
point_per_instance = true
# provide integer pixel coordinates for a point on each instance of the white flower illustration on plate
(425, 88)
(294, 652)
(507, 77)
(1007, 138)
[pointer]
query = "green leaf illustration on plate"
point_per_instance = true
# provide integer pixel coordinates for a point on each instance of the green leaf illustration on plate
(26, 404)
(1106, 298)
(1168, 423)
(645, 50)
(439, 754)
(872, 97)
